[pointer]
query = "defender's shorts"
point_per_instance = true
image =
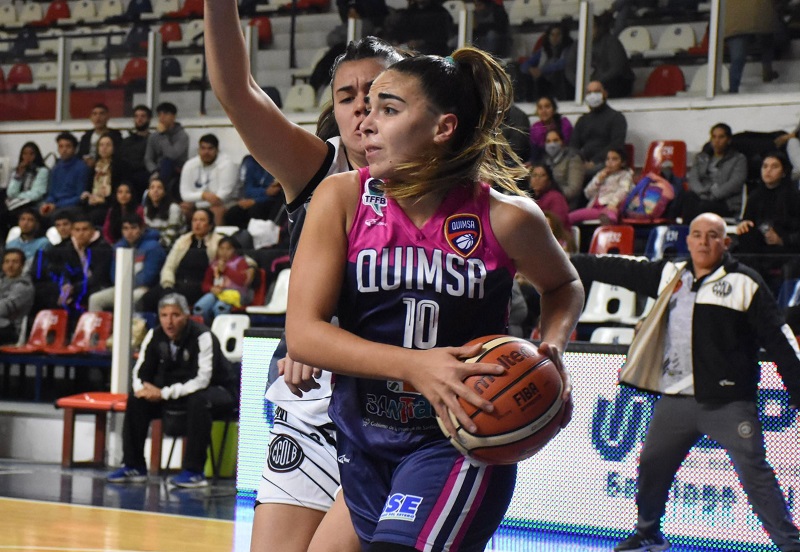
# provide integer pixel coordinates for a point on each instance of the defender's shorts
(300, 468)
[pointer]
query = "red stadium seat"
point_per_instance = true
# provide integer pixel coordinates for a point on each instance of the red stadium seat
(264, 27)
(49, 329)
(58, 9)
(190, 8)
(2, 80)
(616, 239)
(90, 336)
(18, 74)
(135, 69)
(665, 80)
(666, 150)
(170, 32)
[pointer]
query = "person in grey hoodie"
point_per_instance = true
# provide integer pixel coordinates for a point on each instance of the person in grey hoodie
(16, 295)
(168, 147)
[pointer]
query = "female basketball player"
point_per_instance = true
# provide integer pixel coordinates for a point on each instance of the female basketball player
(414, 265)
(293, 499)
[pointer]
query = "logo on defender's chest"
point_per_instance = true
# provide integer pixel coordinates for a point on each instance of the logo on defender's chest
(463, 233)
(373, 196)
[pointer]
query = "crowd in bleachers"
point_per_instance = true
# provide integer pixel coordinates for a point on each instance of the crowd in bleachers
(62, 224)
(151, 191)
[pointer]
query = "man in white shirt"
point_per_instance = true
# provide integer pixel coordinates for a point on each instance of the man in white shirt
(208, 180)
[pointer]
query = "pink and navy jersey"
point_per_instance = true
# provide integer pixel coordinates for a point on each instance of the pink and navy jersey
(440, 285)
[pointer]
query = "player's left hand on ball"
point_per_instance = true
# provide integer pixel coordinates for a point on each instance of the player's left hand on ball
(299, 377)
(555, 355)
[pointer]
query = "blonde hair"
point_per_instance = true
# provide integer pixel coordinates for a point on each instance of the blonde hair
(475, 88)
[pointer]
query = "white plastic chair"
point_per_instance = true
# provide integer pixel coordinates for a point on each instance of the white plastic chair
(45, 76)
(301, 97)
(109, 8)
(454, 7)
(226, 230)
(524, 10)
(607, 303)
(161, 7)
(280, 296)
(675, 38)
(697, 86)
(30, 12)
(53, 235)
(614, 336)
(229, 329)
(97, 72)
(191, 71)
(559, 9)
(636, 40)
(304, 73)
(84, 11)
(8, 16)
(79, 74)
(189, 32)
(13, 234)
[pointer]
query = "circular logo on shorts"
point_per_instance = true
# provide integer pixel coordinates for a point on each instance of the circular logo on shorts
(284, 454)
(745, 430)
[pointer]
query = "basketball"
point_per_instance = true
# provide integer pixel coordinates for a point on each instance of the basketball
(527, 403)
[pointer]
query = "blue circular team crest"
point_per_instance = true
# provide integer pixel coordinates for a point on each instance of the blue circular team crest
(463, 233)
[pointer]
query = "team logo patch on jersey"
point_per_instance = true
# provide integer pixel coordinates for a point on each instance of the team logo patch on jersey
(722, 289)
(463, 233)
(285, 454)
(373, 196)
(402, 507)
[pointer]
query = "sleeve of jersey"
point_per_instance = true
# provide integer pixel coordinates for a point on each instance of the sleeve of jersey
(138, 383)
(205, 365)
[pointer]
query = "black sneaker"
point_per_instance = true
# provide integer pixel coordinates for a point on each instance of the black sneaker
(643, 543)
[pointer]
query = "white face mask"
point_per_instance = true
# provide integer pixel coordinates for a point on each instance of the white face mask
(552, 148)
(594, 99)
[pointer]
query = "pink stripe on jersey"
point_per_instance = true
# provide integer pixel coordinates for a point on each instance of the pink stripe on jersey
(444, 498)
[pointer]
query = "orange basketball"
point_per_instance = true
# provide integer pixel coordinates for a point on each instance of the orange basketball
(527, 403)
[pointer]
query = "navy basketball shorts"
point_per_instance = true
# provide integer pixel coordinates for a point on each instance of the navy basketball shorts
(300, 468)
(434, 500)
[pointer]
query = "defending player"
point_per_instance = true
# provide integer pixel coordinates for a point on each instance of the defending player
(292, 500)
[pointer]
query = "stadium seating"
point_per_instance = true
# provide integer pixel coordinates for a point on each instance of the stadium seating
(608, 304)
(135, 70)
(20, 73)
(667, 241)
(30, 13)
(612, 335)
(44, 77)
(84, 11)
(524, 11)
(666, 150)
(90, 335)
(229, 329)
(615, 239)
(301, 97)
(49, 329)
(675, 38)
(665, 80)
(636, 40)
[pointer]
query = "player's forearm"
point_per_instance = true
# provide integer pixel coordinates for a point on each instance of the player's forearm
(561, 309)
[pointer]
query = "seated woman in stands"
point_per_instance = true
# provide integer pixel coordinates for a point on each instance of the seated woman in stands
(122, 204)
(567, 166)
(607, 191)
(549, 119)
(226, 283)
(770, 227)
(161, 214)
(27, 185)
(547, 194)
(103, 178)
(543, 72)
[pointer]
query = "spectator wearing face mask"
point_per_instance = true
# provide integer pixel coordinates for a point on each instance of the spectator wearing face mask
(601, 129)
(566, 166)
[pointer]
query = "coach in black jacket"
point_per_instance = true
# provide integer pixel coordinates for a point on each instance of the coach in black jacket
(180, 367)
(698, 348)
